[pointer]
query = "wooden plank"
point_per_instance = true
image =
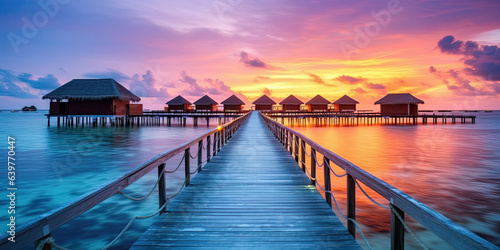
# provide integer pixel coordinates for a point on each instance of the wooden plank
(252, 194)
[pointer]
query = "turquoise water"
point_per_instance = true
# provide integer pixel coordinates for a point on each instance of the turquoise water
(55, 165)
(454, 169)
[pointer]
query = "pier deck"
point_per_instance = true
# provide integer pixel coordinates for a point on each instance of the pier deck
(251, 194)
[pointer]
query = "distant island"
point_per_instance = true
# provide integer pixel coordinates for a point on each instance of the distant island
(31, 108)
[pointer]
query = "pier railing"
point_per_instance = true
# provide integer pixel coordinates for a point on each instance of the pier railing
(38, 231)
(400, 203)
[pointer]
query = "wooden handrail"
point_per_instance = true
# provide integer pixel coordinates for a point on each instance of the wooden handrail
(448, 230)
(46, 223)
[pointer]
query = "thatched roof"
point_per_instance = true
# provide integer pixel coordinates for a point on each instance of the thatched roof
(92, 90)
(205, 100)
(264, 100)
(292, 100)
(404, 98)
(345, 100)
(233, 100)
(178, 100)
(318, 100)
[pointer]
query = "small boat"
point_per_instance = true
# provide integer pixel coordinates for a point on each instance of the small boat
(31, 108)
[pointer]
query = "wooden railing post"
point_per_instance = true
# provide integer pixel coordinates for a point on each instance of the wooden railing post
(326, 173)
(351, 204)
(303, 155)
(161, 188)
(283, 138)
(187, 173)
(215, 144)
(313, 166)
(209, 153)
(397, 229)
(296, 143)
(224, 136)
(219, 141)
(289, 142)
(200, 148)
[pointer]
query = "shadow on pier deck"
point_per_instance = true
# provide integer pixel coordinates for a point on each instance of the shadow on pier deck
(251, 194)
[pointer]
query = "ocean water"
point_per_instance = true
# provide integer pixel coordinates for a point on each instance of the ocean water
(452, 168)
(55, 165)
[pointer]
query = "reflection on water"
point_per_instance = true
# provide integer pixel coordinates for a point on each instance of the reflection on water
(58, 164)
(453, 169)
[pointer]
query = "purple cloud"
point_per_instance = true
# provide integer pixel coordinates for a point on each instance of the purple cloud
(49, 82)
(375, 86)
(253, 62)
(349, 79)
(147, 86)
(461, 86)
(8, 87)
(215, 87)
(482, 61)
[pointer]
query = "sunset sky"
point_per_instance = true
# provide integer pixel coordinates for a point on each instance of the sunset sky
(443, 52)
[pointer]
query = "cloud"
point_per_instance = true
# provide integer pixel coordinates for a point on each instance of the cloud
(260, 78)
(482, 61)
(49, 82)
(359, 90)
(461, 86)
(449, 45)
(375, 86)
(318, 79)
(217, 87)
(211, 86)
(147, 86)
(8, 87)
(266, 91)
(253, 62)
(350, 79)
(110, 73)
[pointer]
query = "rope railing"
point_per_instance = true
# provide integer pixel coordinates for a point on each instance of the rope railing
(147, 195)
(330, 193)
(400, 203)
(178, 166)
(370, 198)
(408, 229)
(40, 229)
(331, 170)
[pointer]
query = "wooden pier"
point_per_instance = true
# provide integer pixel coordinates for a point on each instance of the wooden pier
(334, 119)
(251, 195)
(148, 118)
(257, 190)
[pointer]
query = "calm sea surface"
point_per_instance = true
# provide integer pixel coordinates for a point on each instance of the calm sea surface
(58, 164)
(454, 169)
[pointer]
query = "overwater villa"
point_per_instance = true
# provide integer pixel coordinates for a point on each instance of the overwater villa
(317, 104)
(233, 104)
(179, 104)
(206, 104)
(264, 103)
(399, 104)
(93, 97)
(345, 104)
